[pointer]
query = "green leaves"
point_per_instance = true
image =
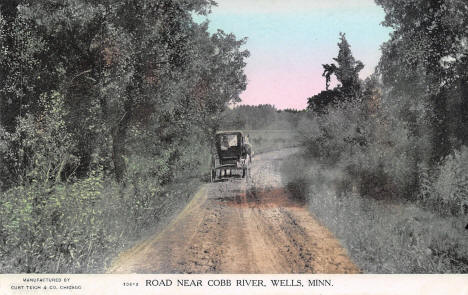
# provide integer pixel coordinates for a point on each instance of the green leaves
(424, 66)
(143, 64)
(95, 88)
(41, 146)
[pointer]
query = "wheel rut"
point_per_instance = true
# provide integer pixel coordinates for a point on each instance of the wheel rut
(240, 226)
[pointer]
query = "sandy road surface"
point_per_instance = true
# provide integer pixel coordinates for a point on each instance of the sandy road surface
(241, 226)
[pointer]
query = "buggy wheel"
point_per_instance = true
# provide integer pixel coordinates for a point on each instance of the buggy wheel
(213, 175)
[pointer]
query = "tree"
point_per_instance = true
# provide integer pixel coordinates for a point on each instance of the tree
(19, 65)
(346, 71)
(424, 66)
(118, 65)
(320, 102)
(328, 71)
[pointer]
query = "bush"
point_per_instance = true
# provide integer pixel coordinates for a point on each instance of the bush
(79, 227)
(52, 229)
(445, 188)
(40, 148)
(381, 236)
(51, 222)
(372, 180)
(381, 155)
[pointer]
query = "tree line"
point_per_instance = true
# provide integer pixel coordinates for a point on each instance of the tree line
(260, 117)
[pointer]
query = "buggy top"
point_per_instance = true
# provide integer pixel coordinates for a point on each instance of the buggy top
(229, 154)
(229, 145)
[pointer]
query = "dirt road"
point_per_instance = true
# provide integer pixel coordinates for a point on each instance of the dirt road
(241, 226)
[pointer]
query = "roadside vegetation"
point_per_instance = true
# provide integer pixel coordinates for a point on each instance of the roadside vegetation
(381, 235)
(107, 111)
(384, 161)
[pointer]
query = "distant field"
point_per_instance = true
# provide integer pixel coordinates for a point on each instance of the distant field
(270, 140)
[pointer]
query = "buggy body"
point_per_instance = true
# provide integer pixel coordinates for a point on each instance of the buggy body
(230, 155)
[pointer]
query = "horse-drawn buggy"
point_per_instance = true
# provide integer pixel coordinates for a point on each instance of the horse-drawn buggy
(231, 155)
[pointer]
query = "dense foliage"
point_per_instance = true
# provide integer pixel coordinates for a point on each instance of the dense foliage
(125, 93)
(143, 64)
(396, 140)
(424, 67)
(397, 132)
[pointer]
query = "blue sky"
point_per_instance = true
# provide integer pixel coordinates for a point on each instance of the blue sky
(290, 40)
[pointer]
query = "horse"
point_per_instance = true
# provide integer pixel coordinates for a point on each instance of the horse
(248, 148)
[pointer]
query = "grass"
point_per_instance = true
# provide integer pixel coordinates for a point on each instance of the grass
(80, 227)
(381, 236)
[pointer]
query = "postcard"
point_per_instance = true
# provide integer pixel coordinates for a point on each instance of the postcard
(234, 147)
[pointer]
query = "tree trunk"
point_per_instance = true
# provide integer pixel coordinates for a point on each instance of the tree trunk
(463, 124)
(118, 150)
(441, 139)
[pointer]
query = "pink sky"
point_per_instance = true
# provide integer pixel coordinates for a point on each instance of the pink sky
(290, 41)
(284, 86)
